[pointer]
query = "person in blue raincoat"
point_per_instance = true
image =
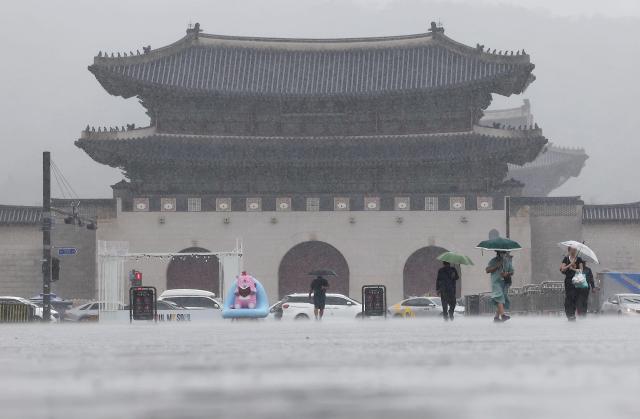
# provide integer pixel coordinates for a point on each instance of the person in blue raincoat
(501, 269)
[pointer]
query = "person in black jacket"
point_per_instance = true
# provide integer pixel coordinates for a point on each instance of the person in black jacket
(446, 289)
(319, 289)
(571, 264)
(582, 302)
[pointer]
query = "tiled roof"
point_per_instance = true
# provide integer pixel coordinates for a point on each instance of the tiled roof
(18, 214)
(621, 213)
(115, 148)
(267, 66)
(573, 158)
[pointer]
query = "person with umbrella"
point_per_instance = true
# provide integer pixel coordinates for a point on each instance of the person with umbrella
(446, 281)
(501, 270)
(572, 267)
(319, 289)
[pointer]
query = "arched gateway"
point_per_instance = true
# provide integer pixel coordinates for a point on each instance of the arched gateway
(306, 257)
(197, 272)
(421, 270)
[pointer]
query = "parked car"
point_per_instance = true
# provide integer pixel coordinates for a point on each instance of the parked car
(88, 312)
(37, 310)
(622, 304)
(58, 304)
(420, 307)
(299, 307)
(191, 298)
(164, 305)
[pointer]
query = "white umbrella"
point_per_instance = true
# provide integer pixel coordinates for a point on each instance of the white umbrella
(583, 249)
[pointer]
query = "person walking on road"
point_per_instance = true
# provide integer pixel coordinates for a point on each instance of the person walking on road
(319, 289)
(500, 268)
(582, 302)
(446, 289)
(571, 265)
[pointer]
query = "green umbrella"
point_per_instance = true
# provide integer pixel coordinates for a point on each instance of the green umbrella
(455, 258)
(499, 243)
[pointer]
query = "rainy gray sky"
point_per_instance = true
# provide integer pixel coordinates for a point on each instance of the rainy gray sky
(586, 54)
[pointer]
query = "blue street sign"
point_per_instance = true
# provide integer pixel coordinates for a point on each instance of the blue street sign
(67, 251)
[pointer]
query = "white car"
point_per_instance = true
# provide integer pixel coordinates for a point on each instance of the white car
(299, 307)
(622, 304)
(37, 310)
(192, 298)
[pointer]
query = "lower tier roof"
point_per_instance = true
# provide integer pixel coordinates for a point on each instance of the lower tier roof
(124, 148)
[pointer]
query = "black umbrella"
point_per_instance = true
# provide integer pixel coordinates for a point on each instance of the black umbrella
(322, 272)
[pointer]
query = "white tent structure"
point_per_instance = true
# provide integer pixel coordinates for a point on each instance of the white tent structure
(113, 282)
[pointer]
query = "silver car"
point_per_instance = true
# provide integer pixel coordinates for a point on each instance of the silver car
(622, 304)
(88, 312)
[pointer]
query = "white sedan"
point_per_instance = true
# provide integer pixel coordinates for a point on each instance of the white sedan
(622, 304)
(299, 307)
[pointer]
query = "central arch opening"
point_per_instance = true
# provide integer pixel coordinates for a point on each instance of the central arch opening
(196, 272)
(293, 273)
(421, 271)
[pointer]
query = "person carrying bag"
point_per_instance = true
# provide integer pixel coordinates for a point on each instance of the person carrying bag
(572, 266)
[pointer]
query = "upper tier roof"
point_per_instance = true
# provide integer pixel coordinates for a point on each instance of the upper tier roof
(216, 64)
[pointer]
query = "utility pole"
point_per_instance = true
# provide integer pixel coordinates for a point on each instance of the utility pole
(46, 236)
(507, 211)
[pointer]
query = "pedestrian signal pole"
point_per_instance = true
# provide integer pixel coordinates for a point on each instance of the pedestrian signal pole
(46, 236)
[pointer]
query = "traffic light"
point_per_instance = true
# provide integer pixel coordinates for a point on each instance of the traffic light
(135, 277)
(55, 269)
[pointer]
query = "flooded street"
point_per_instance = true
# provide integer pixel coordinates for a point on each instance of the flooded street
(526, 368)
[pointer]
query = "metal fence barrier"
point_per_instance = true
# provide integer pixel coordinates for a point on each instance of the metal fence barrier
(533, 298)
(553, 297)
(544, 298)
(16, 313)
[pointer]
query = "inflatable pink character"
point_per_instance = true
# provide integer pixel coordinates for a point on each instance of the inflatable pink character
(245, 292)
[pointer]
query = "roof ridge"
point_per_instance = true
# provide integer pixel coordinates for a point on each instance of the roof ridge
(7, 206)
(317, 40)
(628, 204)
(195, 38)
